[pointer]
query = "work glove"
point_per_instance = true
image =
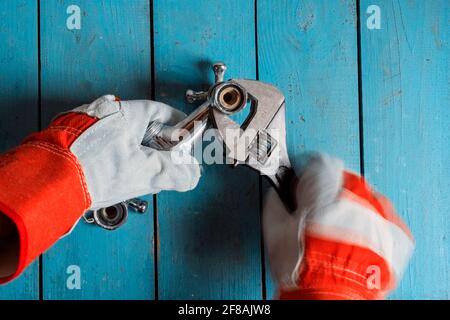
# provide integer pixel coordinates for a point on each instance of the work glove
(87, 158)
(344, 241)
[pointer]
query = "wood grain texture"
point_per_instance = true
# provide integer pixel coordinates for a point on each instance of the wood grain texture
(209, 238)
(406, 99)
(309, 50)
(110, 54)
(19, 102)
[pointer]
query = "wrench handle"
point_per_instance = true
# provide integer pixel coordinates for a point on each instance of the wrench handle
(285, 182)
(159, 136)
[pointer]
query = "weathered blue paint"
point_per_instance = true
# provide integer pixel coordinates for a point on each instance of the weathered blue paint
(406, 99)
(209, 238)
(110, 54)
(19, 101)
(308, 49)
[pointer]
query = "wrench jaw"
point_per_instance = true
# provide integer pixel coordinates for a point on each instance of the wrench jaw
(265, 100)
(261, 143)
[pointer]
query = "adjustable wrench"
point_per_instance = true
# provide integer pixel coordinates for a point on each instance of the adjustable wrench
(259, 142)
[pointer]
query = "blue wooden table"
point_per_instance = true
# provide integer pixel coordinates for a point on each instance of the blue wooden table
(367, 81)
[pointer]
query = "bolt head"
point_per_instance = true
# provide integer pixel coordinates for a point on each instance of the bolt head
(190, 96)
(219, 67)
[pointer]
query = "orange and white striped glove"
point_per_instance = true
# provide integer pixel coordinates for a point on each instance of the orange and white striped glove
(344, 241)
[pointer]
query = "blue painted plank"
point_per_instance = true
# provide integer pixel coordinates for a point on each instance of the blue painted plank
(109, 54)
(19, 102)
(309, 50)
(406, 99)
(209, 238)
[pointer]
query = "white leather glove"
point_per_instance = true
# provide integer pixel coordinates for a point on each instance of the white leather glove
(116, 166)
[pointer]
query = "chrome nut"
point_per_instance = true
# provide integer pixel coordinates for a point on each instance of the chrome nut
(112, 217)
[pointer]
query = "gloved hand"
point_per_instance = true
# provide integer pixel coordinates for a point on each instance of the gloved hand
(88, 158)
(344, 241)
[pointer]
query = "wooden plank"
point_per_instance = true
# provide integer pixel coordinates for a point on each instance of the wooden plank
(209, 238)
(309, 50)
(109, 54)
(19, 102)
(405, 70)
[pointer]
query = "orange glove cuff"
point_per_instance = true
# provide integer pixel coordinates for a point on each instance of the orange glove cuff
(339, 271)
(42, 191)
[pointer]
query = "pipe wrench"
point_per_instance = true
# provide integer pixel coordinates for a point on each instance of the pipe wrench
(259, 142)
